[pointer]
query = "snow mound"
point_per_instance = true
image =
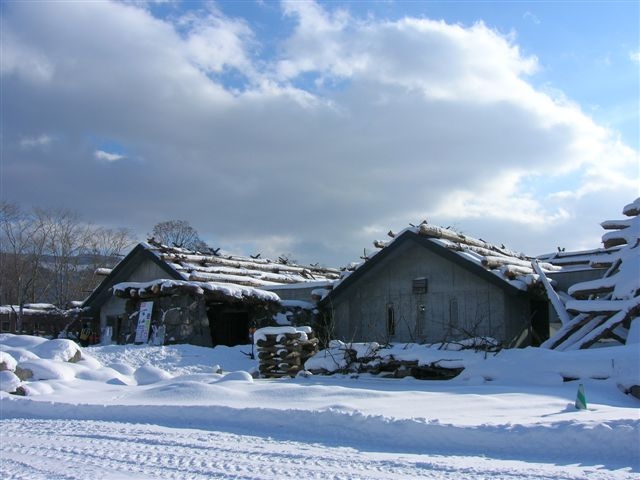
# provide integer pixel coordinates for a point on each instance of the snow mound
(7, 362)
(18, 353)
(149, 374)
(21, 341)
(9, 381)
(237, 376)
(104, 374)
(60, 349)
(122, 368)
(48, 370)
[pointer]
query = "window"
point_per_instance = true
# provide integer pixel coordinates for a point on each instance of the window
(420, 285)
(453, 312)
(391, 320)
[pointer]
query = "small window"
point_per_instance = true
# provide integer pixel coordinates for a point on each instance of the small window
(391, 320)
(420, 285)
(453, 312)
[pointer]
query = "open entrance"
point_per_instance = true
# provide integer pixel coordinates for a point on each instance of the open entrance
(228, 328)
(539, 322)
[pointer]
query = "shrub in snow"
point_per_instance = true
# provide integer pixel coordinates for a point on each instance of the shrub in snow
(438, 361)
(7, 362)
(60, 349)
(149, 374)
(484, 344)
(336, 358)
(9, 381)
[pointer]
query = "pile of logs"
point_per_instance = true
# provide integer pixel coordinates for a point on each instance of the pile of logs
(282, 351)
(605, 308)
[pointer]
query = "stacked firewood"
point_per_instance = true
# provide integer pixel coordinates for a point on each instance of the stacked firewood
(608, 307)
(282, 351)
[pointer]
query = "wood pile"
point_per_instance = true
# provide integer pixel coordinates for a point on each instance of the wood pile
(607, 307)
(282, 351)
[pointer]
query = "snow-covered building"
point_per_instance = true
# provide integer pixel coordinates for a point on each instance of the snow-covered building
(201, 298)
(605, 308)
(430, 284)
(578, 266)
(42, 319)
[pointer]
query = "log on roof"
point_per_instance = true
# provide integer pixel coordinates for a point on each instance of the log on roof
(210, 290)
(512, 267)
(251, 271)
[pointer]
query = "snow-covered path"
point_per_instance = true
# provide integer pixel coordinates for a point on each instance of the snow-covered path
(119, 415)
(113, 450)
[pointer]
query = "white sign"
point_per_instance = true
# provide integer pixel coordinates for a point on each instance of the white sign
(144, 322)
(157, 335)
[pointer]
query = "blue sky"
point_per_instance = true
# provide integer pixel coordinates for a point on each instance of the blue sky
(312, 128)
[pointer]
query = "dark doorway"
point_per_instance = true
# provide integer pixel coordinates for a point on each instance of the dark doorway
(229, 328)
(539, 322)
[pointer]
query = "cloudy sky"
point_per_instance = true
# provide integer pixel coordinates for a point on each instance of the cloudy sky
(312, 128)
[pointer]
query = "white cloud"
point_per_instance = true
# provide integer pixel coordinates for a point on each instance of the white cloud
(215, 43)
(532, 17)
(22, 59)
(635, 56)
(107, 157)
(353, 124)
(41, 141)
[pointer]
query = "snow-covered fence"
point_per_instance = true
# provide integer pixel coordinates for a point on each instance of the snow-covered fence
(282, 351)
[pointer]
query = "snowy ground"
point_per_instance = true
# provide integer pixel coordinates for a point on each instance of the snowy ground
(163, 412)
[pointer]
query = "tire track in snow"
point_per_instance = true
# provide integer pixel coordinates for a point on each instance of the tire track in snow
(70, 450)
(613, 444)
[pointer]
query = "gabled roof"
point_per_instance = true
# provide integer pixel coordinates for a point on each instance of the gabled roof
(207, 270)
(123, 271)
(248, 271)
(500, 266)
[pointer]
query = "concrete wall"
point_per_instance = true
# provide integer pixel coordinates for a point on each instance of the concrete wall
(457, 303)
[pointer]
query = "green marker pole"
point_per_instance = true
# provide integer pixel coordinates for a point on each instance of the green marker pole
(581, 400)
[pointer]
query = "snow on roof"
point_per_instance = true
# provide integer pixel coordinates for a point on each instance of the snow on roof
(248, 271)
(31, 309)
(226, 291)
(583, 259)
(511, 267)
(605, 308)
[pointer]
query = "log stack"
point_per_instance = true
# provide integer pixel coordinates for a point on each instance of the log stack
(282, 351)
(606, 308)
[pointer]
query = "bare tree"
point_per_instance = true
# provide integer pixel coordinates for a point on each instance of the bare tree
(22, 243)
(178, 233)
(66, 242)
(51, 255)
